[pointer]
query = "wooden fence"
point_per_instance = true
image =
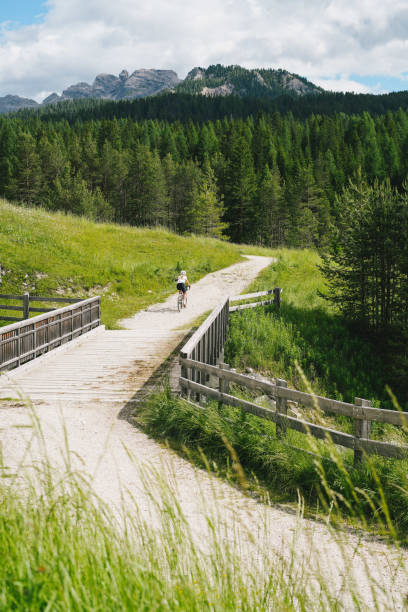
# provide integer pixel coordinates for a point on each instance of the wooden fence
(25, 306)
(206, 345)
(20, 342)
(198, 376)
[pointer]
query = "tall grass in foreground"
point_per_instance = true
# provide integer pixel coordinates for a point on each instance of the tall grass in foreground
(63, 549)
(373, 495)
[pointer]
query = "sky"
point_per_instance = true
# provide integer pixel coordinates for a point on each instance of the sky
(341, 45)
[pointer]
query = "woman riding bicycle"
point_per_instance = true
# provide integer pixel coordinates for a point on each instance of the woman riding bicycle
(182, 284)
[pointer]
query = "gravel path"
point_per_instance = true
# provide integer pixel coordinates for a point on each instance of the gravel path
(114, 454)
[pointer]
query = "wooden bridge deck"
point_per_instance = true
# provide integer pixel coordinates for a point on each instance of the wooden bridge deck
(111, 366)
(106, 366)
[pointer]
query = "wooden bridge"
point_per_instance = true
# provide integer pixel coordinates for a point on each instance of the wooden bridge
(66, 355)
(111, 366)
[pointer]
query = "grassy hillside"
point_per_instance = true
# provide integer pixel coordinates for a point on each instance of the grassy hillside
(53, 253)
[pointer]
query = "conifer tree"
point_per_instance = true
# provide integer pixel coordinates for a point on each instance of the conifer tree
(26, 182)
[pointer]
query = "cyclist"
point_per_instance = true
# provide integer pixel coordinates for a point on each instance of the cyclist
(182, 284)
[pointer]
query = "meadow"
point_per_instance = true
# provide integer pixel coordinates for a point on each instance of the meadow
(61, 254)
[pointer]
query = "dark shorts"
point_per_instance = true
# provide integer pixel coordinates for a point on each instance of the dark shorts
(181, 287)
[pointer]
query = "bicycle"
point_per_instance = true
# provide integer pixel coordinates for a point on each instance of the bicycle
(180, 299)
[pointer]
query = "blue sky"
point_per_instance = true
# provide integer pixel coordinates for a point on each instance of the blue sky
(22, 12)
(342, 45)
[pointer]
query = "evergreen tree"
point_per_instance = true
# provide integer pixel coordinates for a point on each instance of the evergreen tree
(240, 192)
(26, 181)
(208, 207)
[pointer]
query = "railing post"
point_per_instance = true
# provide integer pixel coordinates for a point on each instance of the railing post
(223, 385)
(362, 428)
(281, 408)
(26, 305)
(185, 373)
(277, 296)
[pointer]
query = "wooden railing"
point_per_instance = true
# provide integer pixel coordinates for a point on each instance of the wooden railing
(206, 345)
(276, 292)
(20, 342)
(26, 307)
(198, 375)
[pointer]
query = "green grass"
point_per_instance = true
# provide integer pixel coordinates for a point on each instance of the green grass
(308, 344)
(66, 551)
(324, 475)
(337, 360)
(45, 253)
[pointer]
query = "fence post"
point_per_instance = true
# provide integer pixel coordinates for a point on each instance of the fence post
(185, 373)
(26, 305)
(362, 428)
(277, 296)
(223, 384)
(281, 408)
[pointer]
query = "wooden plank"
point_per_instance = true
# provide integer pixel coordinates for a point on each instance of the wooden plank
(246, 381)
(5, 307)
(4, 296)
(36, 298)
(65, 309)
(198, 334)
(317, 431)
(43, 346)
(326, 404)
(251, 305)
(42, 309)
(248, 296)
(386, 449)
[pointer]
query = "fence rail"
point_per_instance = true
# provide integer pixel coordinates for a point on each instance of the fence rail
(23, 341)
(26, 307)
(206, 345)
(198, 376)
(276, 292)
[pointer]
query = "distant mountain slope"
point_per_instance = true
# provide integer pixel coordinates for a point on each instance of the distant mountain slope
(212, 81)
(226, 80)
(141, 83)
(10, 104)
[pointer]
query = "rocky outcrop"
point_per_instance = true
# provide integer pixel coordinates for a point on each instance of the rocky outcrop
(222, 90)
(141, 83)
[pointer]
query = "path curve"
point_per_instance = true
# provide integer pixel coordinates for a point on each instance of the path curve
(108, 368)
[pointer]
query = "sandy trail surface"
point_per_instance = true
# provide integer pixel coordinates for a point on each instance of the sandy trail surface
(81, 397)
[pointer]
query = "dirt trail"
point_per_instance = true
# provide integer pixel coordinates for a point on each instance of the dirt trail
(99, 441)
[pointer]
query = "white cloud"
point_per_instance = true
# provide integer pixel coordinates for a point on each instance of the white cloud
(343, 84)
(319, 39)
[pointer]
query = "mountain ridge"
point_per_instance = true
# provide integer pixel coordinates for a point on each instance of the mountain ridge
(216, 80)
